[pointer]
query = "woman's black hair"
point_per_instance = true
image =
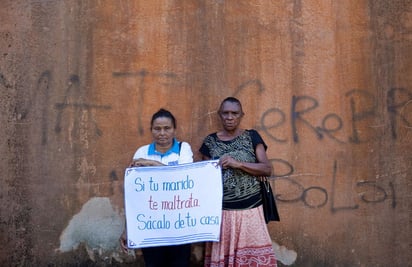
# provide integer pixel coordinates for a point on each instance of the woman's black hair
(163, 113)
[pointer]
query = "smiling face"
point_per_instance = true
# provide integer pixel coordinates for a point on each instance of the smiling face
(163, 132)
(230, 114)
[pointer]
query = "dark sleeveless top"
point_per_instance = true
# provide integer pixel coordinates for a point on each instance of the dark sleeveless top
(240, 189)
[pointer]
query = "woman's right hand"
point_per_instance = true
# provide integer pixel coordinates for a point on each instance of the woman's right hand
(145, 162)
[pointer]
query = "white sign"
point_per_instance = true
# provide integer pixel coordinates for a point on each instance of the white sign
(171, 205)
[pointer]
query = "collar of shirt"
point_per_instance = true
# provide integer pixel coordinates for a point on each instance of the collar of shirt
(173, 149)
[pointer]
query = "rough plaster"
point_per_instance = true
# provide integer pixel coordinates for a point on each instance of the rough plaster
(326, 83)
(97, 225)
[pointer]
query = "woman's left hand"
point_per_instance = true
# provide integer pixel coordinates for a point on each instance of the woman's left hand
(229, 162)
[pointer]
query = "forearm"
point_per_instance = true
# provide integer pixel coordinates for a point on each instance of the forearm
(256, 169)
(145, 162)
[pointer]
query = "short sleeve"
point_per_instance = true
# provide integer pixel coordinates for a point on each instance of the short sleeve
(257, 139)
(141, 152)
(186, 154)
(204, 149)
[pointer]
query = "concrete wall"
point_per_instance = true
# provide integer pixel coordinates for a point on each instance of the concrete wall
(327, 83)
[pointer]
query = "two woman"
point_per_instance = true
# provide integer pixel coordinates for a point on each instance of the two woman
(244, 238)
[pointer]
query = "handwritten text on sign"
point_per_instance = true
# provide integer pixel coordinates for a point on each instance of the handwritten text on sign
(171, 205)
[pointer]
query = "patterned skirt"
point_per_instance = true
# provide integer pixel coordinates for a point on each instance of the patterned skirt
(244, 241)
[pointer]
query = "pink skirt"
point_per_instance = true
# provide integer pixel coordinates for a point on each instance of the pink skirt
(244, 241)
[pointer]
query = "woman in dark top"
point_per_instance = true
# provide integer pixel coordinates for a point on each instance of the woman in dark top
(244, 238)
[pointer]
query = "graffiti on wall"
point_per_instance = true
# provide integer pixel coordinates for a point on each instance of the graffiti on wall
(368, 192)
(363, 108)
(362, 105)
(73, 101)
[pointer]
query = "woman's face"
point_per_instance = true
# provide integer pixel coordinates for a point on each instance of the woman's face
(230, 115)
(163, 131)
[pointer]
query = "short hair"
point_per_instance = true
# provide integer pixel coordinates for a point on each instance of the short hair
(231, 99)
(163, 113)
